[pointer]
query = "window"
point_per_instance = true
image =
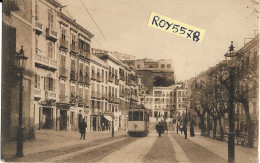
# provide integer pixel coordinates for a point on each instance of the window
(81, 93)
(73, 91)
(141, 116)
(73, 65)
(73, 39)
(138, 66)
(36, 44)
(81, 69)
(130, 116)
(63, 33)
(36, 11)
(63, 61)
(71, 117)
(50, 20)
(37, 81)
(135, 115)
(50, 50)
(168, 65)
(86, 93)
(49, 84)
(162, 65)
(62, 90)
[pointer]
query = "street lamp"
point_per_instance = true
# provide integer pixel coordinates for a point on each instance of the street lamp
(113, 117)
(20, 62)
(231, 61)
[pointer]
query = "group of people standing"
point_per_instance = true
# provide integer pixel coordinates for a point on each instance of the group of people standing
(183, 126)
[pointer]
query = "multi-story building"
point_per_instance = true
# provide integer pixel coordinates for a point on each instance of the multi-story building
(122, 87)
(163, 102)
(62, 58)
(17, 34)
(181, 94)
(151, 70)
(46, 64)
(99, 93)
(74, 73)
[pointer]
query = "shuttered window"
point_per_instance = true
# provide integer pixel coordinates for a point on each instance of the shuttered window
(50, 50)
(49, 84)
(50, 20)
(63, 61)
(62, 89)
(37, 81)
(73, 65)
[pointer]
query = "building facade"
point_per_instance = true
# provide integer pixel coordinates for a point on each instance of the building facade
(17, 34)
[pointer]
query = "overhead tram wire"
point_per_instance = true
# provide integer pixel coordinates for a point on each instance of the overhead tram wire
(72, 17)
(96, 25)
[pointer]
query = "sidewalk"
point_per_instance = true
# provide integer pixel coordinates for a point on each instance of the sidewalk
(50, 140)
(242, 154)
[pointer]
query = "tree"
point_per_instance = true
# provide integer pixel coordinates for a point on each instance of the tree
(162, 81)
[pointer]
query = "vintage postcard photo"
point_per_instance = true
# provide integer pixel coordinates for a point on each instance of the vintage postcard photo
(124, 81)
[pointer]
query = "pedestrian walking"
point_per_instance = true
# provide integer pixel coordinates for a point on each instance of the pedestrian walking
(159, 128)
(181, 126)
(82, 129)
(192, 129)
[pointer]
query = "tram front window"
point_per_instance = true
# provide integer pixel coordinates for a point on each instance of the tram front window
(141, 116)
(135, 115)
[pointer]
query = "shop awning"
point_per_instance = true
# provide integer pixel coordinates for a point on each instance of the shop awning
(109, 118)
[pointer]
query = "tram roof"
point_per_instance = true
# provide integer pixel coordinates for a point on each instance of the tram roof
(138, 107)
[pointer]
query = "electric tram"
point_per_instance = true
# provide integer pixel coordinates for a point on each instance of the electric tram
(138, 121)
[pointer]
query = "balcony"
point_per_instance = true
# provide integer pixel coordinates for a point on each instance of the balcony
(64, 44)
(63, 73)
(87, 55)
(73, 75)
(38, 28)
(110, 99)
(122, 78)
(51, 34)
(50, 95)
(117, 81)
(117, 100)
(93, 76)
(132, 82)
(84, 54)
(110, 79)
(72, 99)
(81, 78)
(104, 96)
(93, 94)
(99, 95)
(98, 78)
(45, 62)
(86, 80)
(73, 49)
(37, 93)
(87, 102)
(64, 99)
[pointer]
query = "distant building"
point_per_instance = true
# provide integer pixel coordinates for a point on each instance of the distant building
(152, 70)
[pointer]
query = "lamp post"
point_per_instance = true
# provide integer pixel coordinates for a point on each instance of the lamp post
(231, 61)
(113, 117)
(20, 62)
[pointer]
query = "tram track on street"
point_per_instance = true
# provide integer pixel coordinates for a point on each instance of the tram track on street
(56, 153)
(97, 153)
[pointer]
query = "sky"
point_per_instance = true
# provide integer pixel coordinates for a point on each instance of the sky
(124, 27)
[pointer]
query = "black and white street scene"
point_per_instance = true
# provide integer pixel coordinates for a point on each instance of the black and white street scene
(125, 81)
